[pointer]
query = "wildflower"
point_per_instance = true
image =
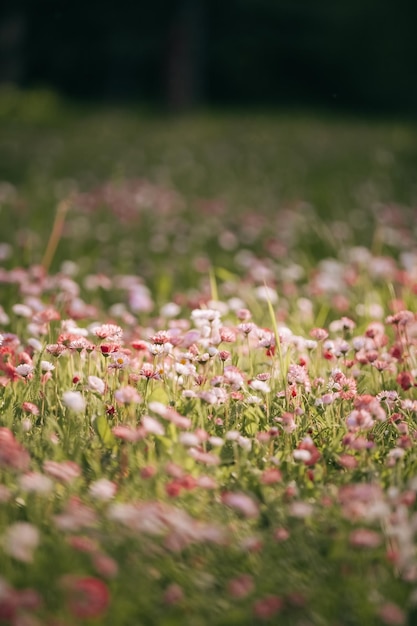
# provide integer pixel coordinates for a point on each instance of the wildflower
(152, 426)
(87, 597)
(189, 439)
(24, 370)
(364, 538)
(298, 375)
(105, 565)
(107, 349)
(103, 489)
(75, 516)
(12, 454)
(301, 509)
(288, 422)
(170, 414)
(148, 371)
(55, 349)
(343, 324)
(404, 379)
(301, 455)
(319, 334)
(204, 457)
(36, 482)
(266, 294)
(29, 407)
(392, 615)
(119, 360)
(20, 541)
(66, 471)
(127, 433)
(281, 534)
(171, 309)
(259, 385)
(127, 395)
(270, 476)
(241, 586)
(173, 594)
(402, 318)
(22, 310)
(242, 503)
(111, 332)
(267, 607)
(74, 400)
(347, 461)
(96, 384)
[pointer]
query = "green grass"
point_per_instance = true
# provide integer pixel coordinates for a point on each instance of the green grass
(266, 482)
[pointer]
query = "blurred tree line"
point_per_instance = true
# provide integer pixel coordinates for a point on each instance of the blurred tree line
(350, 54)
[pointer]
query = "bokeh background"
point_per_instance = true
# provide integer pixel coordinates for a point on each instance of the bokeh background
(347, 55)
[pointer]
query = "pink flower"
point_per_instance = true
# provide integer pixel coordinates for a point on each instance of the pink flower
(364, 538)
(127, 433)
(391, 614)
(267, 607)
(170, 414)
(204, 457)
(75, 516)
(241, 586)
(270, 476)
(29, 407)
(112, 332)
(66, 471)
(105, 565)
(12, 453)
(242, 503)
(103, 489)
(127, 395)
(173, 594)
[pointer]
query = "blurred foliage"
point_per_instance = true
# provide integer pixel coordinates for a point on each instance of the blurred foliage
(221, 172)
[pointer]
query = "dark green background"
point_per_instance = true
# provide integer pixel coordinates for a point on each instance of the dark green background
(341, 54)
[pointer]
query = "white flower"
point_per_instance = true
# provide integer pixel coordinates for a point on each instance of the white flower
(259, 385)
(74, 400)
(189, 439)
(103, 489)
(301, 455)
(96, 384)
(35, 344)
(171, 309)
(36, 482)
(22, 310)
(152, 426)
(266, 294)
(20, 541)
(24, 369)
(46, 366)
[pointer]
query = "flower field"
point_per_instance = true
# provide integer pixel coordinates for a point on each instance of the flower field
(208, 370)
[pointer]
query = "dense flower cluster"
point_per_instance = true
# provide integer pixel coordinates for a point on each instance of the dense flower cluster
(228, 447)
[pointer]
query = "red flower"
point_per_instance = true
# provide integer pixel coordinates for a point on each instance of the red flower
(405, 380)
(87, 597)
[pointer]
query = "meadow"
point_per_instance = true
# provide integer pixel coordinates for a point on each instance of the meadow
(208, 367)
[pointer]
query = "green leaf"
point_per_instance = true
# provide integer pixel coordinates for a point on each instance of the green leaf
(104, 431)
(159, 395)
